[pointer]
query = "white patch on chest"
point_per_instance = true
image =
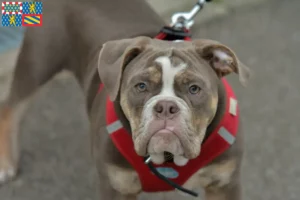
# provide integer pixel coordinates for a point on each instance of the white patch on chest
(168, 75)
(125, 181)
(221, 172)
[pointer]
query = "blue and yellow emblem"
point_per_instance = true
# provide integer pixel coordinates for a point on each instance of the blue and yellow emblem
(11, 20)
(22, 13)
(32, 20)
(32, 7)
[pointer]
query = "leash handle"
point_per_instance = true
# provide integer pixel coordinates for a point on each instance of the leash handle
(184, 20)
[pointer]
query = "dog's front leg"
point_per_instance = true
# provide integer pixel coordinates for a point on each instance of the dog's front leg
(113, 186)
(108, 193)
(118, 196)
(228, 192)
(42, 55)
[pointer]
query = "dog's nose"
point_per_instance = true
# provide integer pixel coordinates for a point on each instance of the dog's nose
(166, 109)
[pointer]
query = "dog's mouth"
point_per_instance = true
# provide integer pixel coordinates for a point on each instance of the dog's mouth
(169, 157)
(165, 146)
(167, 140)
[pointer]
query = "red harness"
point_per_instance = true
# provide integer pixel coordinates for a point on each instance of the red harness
(222, 137)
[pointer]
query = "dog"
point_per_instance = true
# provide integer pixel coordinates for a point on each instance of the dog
(168, 97)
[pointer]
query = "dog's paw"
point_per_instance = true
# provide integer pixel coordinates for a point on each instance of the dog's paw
(7, 173)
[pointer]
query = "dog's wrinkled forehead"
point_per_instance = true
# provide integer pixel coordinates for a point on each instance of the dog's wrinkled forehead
(167, 65)
(170, 68)
(121, 60)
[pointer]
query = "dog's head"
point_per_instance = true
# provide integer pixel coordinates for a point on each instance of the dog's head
(168, 91)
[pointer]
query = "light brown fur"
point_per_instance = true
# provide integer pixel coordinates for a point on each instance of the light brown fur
(5, 129)
(155, 74)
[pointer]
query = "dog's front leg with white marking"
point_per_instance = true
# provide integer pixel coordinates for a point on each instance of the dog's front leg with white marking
(8, 146)
(228, 192)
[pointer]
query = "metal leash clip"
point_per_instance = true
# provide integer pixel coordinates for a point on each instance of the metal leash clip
(184, 20)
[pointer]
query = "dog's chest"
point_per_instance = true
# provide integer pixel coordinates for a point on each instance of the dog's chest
(217, 175)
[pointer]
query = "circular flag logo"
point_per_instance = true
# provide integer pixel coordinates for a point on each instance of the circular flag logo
(168, 172)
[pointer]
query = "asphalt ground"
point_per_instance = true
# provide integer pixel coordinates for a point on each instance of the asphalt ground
(55, 162)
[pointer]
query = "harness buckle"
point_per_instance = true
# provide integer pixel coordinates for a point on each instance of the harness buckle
(184, 20)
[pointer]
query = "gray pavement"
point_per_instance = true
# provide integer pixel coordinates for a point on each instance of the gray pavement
(55, 160)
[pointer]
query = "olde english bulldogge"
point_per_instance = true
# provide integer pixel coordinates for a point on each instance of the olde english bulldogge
(160, 99)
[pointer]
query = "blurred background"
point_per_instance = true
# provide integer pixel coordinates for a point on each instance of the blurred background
(265, 34)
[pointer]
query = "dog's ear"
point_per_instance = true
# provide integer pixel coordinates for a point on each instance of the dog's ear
(222, 59)
(113, 58)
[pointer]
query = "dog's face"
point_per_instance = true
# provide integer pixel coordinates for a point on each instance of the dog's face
(168, 91)
(169, 101)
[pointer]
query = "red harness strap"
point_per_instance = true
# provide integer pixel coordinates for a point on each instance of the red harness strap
(219, 141)
(163, 35)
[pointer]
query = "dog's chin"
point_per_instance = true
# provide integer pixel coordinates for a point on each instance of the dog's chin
(164, 142)
(160, 141)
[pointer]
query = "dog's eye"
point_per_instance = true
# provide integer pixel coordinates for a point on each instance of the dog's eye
(194, 89)
(141, 87)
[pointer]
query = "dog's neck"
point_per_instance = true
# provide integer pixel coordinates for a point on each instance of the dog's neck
(121, 115)
(220, 110)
